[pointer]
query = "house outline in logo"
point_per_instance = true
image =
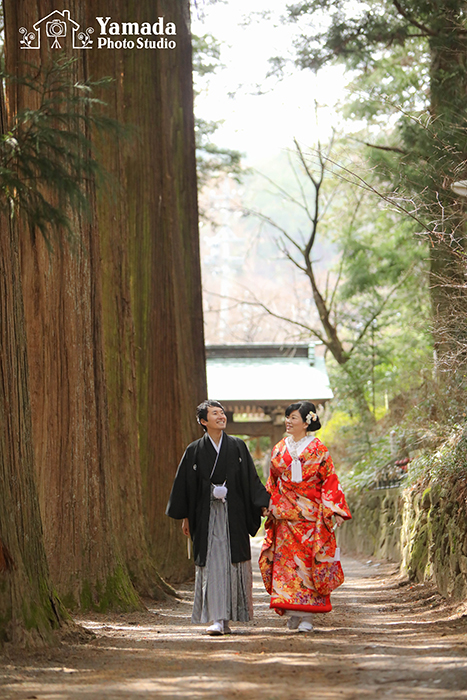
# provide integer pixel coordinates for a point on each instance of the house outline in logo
(56, 27)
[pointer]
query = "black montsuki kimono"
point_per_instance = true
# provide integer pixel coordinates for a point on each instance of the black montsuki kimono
(191, 492)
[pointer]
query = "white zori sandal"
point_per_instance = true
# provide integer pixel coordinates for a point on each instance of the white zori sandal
(305, 626)
(216, 629)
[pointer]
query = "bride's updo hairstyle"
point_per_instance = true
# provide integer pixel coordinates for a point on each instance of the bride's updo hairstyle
(308, 413)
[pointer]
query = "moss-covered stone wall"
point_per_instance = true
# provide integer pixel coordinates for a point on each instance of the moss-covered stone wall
(424, 529)
(434, 537)
(375, 528)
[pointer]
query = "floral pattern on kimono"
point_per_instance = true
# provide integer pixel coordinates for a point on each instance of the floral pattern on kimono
(297, 560)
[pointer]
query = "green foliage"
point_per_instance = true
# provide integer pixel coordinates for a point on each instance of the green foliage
(206, 54)
(339, 422)
(47, 159)
(410, 63)
(364, 471)
(372, 274)
(345, 30)
(212, 160)
(399, 82)
(444, 462)
(358, 33)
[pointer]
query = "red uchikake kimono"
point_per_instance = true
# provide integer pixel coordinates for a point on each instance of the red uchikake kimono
(297, 558)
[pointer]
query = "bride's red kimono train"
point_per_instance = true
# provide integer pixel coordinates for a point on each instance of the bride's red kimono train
(298, 558)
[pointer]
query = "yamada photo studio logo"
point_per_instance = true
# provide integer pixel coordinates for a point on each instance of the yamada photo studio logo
(56, 28)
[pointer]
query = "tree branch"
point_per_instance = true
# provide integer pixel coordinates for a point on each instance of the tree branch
(286, 194)
(302, 190)
(289, 256)
(272, 313)
(390, 149)
(359, 181)
(305, 164)
(271, 222)
(412, 20)
(317, 185)
(341, 265)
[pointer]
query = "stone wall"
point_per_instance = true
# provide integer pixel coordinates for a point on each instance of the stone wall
(375, 528)
(434, 537)
(424, 530)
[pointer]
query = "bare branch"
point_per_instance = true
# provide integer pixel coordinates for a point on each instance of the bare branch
(289, 256)
(280, 189)
(260, 304)
(390, 149)
(317, 185)
(327, 203)
(302, 191)
(359, 181)
(271, 222)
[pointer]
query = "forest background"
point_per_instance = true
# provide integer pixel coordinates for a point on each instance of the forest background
(355, 236)
(357, 241)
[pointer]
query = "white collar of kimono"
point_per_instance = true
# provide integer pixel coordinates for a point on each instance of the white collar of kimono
(217, 447)
(295, 449)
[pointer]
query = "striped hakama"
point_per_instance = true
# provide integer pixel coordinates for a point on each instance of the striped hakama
(223, 591)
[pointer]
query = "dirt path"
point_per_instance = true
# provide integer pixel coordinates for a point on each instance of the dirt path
(384, 638)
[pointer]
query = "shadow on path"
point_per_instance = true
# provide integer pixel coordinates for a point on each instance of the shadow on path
(384, 638)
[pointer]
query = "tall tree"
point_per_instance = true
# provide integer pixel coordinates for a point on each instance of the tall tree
(154, 341)
(114, 323)
(63, 311)
(116, 236)
(29, 609)
(165, 269)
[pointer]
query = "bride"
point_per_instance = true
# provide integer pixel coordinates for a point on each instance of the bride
(298, 560)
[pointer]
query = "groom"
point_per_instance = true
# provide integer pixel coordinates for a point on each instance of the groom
(219, 497)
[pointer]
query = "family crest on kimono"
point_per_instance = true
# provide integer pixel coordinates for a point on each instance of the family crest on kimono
(299, 559)
(219, 498)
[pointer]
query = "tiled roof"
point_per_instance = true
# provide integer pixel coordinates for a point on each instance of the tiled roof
(267, 373)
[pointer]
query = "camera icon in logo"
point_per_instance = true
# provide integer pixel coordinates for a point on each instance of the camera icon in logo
(55, 29)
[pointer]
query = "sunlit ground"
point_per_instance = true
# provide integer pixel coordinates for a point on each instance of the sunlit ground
(383, 639)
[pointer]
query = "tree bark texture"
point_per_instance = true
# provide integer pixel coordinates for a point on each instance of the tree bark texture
(165, 268)
(65, 335)
(115, 327)
(119, 327)
(448, 88)
(29, 610)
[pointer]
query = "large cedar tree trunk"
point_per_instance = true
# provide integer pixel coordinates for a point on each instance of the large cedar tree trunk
(119, 328)
(29, 610)
(448, 88)
(165, 268)
(153, 325)
(116, 330)
(65, 335)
